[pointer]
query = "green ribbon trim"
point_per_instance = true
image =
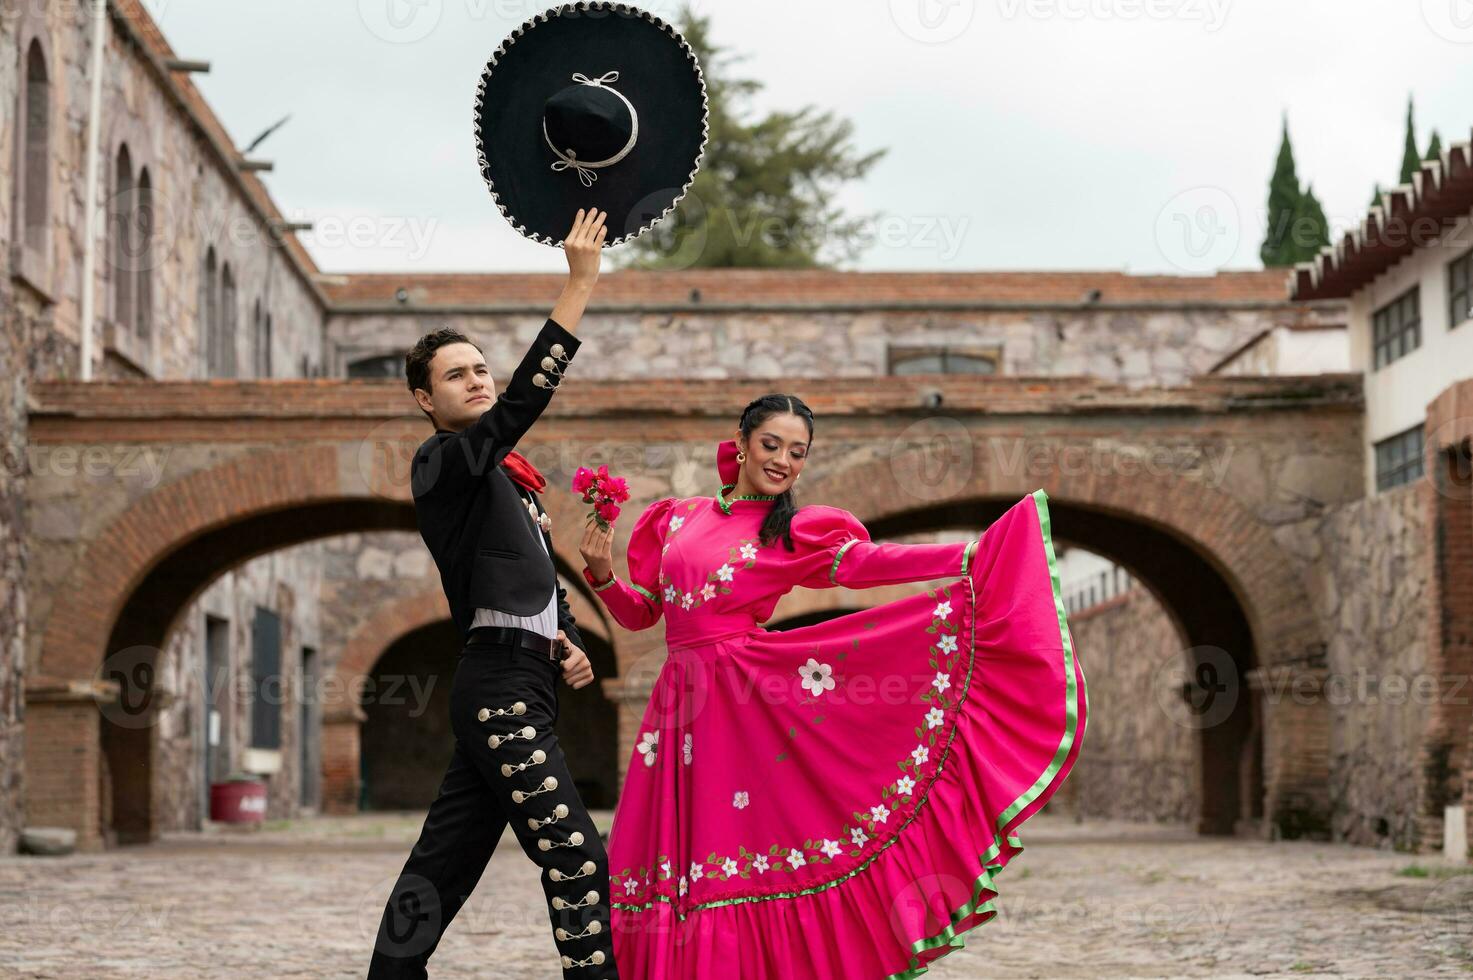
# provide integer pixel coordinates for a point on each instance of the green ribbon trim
(646, 593)
(967, 556)
(726, 505)
(607, 585)
(834, 569)
(952, 935)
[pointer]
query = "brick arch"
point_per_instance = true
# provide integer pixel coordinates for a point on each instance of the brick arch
(1216, 569)
(136, 575)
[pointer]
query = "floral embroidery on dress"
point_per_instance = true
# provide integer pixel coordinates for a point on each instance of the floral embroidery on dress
(676, 523)
(740, 556)
(817, 677)
(648, 744)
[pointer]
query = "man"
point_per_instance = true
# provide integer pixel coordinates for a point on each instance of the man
(475, 509)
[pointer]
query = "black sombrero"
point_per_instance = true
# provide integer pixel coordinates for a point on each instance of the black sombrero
(590, 104)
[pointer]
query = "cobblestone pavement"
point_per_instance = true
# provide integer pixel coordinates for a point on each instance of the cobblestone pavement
(1083, 900)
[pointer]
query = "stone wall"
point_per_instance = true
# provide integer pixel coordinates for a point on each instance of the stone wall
(1367, 568)
(1138, 762)
(13, 565)
(1137, 346)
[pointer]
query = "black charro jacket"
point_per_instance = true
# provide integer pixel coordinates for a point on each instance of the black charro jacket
(473, 517)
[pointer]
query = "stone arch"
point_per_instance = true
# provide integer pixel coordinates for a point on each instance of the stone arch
(1217, 570)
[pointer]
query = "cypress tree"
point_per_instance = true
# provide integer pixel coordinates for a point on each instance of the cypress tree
(1411, 160)
(1283, 206)
(1434, 148)
(1311, 228)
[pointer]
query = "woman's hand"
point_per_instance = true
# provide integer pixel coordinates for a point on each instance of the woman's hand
(597, 549)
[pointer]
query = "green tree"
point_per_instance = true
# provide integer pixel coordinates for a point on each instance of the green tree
(1312, 229)
(1376, 195)
(1297, 228)
(1434, 147)
(765, 193)
(1411, 160)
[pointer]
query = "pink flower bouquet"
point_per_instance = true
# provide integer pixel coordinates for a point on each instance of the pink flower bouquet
(604, 492)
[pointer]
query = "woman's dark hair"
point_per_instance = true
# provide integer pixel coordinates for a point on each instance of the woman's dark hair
(779, 521)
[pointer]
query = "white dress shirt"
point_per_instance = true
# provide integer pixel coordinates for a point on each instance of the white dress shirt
(544, 622)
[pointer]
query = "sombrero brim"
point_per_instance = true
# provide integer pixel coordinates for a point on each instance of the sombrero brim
(658, 73)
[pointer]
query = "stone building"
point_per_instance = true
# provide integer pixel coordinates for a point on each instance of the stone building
(213, 528)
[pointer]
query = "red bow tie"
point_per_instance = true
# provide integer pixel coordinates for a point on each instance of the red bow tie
(520, 469)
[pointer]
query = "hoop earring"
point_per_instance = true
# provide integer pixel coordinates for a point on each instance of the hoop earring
(741, 456)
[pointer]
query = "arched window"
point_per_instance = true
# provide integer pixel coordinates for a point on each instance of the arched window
(143, 255)
(261, 341)
(227, 321)
(121, 204)
(209, 313)
(32, 186)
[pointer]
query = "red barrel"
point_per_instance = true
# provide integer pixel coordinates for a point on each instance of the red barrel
(238, 801)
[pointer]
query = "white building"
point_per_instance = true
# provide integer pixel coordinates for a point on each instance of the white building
(1407, 272)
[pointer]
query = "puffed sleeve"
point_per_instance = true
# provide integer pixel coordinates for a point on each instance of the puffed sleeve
(832, 547)
(635, 603)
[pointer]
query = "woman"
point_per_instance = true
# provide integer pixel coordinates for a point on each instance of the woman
(834, 800)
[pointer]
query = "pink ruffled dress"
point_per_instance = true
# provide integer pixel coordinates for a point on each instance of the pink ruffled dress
(833, 800)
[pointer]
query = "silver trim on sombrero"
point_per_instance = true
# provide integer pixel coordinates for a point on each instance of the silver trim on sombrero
(569, 160)
(548, 15)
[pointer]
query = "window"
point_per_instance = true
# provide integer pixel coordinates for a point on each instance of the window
(381, 366)
(267, 685)
(209, 313)
(143, 216)
(32, 186)
(227, 322)
(1460, 290)
(1396, 329)
(120, 209)
(261, 341)
(1399, 458)
(944, 360)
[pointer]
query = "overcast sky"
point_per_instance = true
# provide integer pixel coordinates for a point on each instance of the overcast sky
(1022, 134)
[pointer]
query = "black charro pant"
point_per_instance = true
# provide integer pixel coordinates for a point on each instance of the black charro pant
(502, 695)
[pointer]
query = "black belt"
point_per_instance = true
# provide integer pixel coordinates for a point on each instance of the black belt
(523, 640)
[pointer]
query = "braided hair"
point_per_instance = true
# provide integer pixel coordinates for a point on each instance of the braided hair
(779, 520)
